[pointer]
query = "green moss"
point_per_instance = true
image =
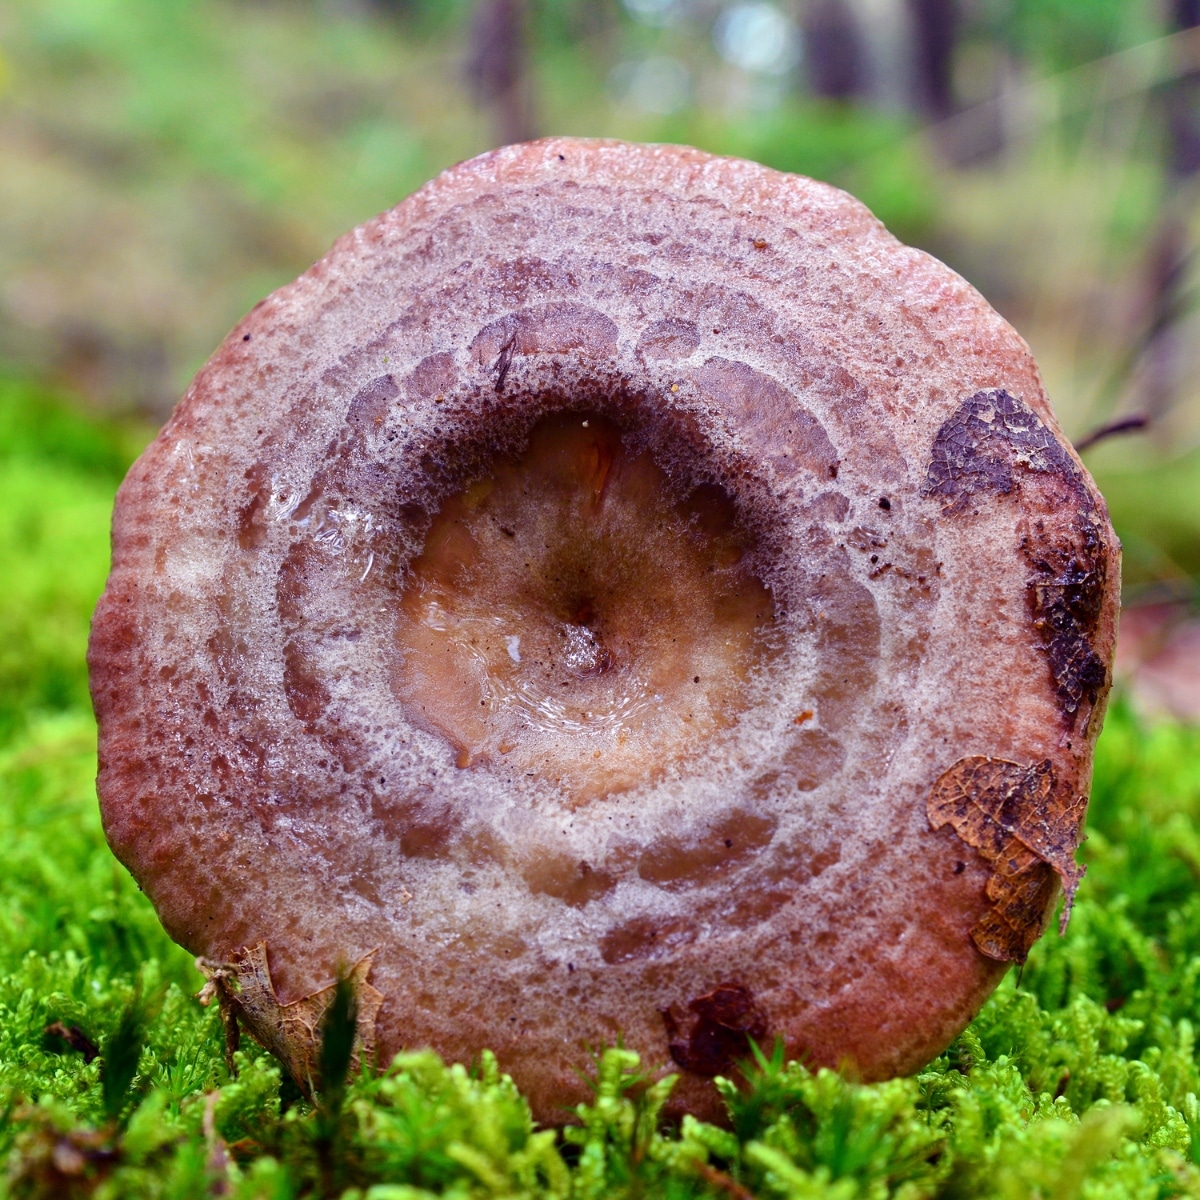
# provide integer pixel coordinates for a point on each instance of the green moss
(58, 472)
(1079, 1078)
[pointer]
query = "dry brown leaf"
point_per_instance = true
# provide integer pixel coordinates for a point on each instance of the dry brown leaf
(289, 1031)
(1020, 824)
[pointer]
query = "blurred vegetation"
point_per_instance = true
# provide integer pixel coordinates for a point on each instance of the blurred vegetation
(1080, 1078)
(58, 472)
(165, 163)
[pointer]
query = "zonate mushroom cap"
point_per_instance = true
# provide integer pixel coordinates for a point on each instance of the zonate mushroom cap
(618, 593)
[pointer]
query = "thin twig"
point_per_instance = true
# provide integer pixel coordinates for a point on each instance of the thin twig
(1112, 429)
(725, 1183)
(1122, 74)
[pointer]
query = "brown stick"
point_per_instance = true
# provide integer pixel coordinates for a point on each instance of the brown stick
(726, 1183)
(1112, 429)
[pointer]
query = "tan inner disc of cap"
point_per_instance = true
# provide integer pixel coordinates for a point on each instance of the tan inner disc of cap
(571, 616)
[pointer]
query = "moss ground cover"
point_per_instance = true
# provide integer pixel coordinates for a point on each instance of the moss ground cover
(1079, 1079)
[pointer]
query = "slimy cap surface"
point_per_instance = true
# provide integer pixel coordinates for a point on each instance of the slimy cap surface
(618, 593)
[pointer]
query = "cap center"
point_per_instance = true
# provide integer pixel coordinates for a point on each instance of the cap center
(578, 616)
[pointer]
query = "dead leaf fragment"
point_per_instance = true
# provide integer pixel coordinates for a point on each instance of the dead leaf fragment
(1015, 817)
(220, 984)
(715, 1032)
(289, 1031)
(74, 1037)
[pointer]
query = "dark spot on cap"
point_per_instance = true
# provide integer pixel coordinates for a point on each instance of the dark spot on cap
(978, 447)
(371, 404)
(885, 504)
(715, 1033)
(765, 411)
(994, 444)
(670, 339)
(245, 337)
(959, 868)
(645, 938)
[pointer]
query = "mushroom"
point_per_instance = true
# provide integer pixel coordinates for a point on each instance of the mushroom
(618, 593)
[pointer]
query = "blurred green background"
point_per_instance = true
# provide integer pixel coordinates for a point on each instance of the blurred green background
(165, 163)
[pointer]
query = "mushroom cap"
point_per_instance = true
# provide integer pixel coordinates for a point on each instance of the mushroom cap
(846, 861)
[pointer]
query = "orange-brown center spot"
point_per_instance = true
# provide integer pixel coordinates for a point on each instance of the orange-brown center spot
(575, 616)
